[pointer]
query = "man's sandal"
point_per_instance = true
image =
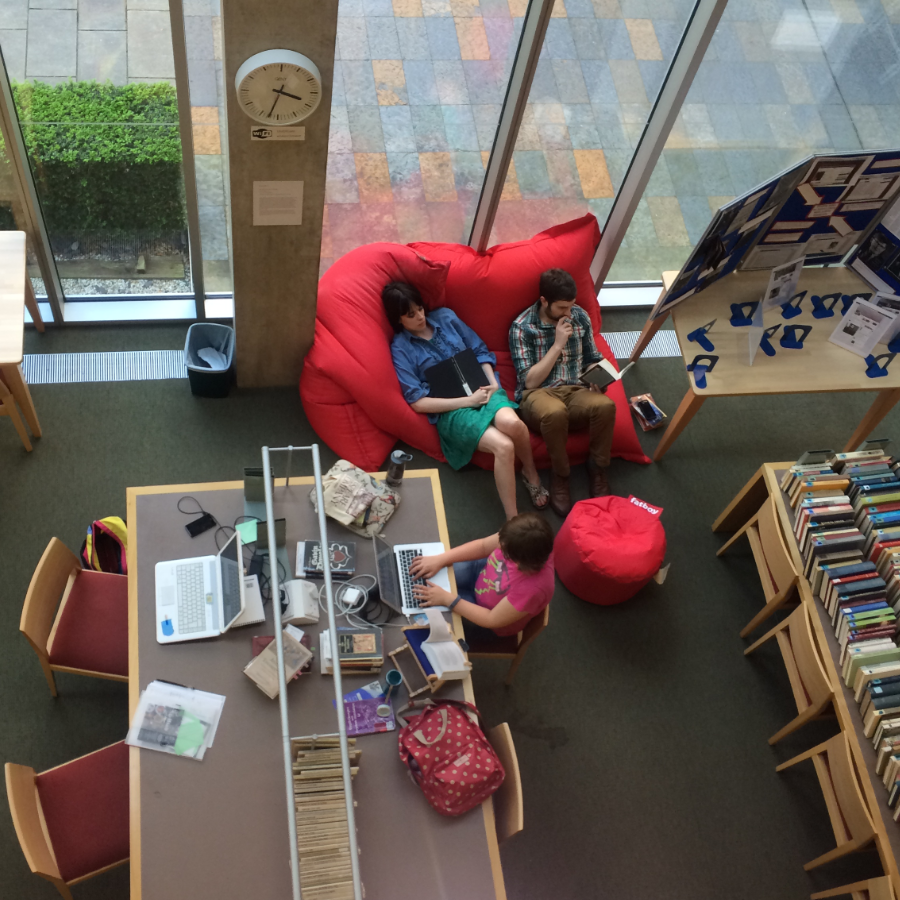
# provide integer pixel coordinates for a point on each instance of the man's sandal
(540, 496)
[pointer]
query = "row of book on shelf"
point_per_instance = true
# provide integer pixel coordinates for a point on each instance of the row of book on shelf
(847, 526)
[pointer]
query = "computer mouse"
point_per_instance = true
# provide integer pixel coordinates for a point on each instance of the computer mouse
(167, 628)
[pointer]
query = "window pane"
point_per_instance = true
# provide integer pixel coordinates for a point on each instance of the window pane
(95, 95)
(418, 86)
(600, 69)
(203, 39)
(780, 81)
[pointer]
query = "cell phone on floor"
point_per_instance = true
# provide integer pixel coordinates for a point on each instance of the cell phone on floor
(198, 526)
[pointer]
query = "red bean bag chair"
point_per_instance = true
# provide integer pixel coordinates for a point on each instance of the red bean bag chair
(609, 548)
(348, 386)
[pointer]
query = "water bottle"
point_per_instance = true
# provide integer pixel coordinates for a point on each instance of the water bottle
(395, 469)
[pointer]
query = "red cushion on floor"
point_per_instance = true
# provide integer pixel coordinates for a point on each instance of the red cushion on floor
(85, 804)
(93, 630)
(609, 548)
(349, 388)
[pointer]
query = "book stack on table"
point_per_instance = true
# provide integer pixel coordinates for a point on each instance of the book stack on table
(323, 836)
(360, 650)
(847, 526)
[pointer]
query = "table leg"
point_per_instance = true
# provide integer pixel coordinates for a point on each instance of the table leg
(686, 411)
(15, 381)
(650, 328)
(31, 305)
(883, 404)
(748, 501)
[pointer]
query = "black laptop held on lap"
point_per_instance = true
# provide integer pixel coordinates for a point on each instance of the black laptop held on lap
(459, 376)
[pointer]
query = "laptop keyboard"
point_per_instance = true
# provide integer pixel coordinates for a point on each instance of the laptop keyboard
(405, 558)
(191, 598)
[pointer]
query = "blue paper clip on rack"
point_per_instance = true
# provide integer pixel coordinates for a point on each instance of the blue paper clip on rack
(700, 368)
(873, 370)
(742, 313)
(791, 309)
(699, 335)
(820, 310)
(790, 340)
(765, 343)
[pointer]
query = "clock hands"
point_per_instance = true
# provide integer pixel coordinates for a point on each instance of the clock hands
(273, 105)
(280, 91)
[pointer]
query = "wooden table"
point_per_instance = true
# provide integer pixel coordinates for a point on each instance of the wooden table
(216, 829)
(820, 367)
(13, 281)
(765, 483)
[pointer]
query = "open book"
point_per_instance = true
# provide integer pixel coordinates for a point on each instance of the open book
(443, 650)
(603, 373)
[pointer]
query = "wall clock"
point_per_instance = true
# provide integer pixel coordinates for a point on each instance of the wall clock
(278, 87)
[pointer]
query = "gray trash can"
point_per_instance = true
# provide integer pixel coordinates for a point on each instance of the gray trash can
(206, 381)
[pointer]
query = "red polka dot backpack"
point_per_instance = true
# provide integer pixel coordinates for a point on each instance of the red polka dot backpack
(448, 756)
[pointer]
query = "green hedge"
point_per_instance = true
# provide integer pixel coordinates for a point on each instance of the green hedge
(94, 177)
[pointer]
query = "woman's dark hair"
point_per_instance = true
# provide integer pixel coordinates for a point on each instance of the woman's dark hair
(557, 284)
(399, 298)
(527, 540)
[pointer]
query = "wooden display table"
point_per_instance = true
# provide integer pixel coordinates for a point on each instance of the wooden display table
(13, 282)
(766, 483)
(216, 829)
(820, 367)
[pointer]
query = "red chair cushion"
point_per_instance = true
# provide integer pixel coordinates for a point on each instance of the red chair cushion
(85, 804)
(609, 548)
(92, 632)
(349, 388)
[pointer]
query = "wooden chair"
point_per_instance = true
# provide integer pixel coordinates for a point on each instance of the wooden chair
(508, 798)
(847, 810)
(89, 633)
(8, 408)
(72, 821)
(873, 889)
(510, 647)
(811, 687)
(773, 562)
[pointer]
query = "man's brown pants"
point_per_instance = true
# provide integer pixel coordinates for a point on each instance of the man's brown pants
(554, 412)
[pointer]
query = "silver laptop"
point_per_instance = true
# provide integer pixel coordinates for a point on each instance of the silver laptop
(200, 597)
(392, 567)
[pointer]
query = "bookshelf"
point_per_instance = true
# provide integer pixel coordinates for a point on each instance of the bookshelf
(766, 482)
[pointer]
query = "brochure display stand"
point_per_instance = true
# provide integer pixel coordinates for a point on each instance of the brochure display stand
(749, 285)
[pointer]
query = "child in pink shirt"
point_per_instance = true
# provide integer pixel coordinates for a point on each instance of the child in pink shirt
(503, 580)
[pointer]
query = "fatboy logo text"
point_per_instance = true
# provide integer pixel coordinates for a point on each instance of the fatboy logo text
(653, 510)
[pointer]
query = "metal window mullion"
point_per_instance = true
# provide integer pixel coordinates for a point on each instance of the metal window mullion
(534, 28)
(694, 42)
(189, 171)
(28, 197)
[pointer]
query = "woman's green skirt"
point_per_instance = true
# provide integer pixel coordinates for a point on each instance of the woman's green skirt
(461, 430)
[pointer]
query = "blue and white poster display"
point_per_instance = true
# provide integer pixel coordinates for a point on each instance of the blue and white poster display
(821, 208)
(878, 258)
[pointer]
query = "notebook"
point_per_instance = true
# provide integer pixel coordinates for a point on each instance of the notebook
(602, 374)
(459, 376)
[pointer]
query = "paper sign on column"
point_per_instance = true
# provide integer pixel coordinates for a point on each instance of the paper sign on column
(277, 202)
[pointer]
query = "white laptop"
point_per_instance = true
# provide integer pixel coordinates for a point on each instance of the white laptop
(200, 597)
(392, 568)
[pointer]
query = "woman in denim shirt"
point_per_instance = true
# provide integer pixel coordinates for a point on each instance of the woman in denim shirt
(485, 420)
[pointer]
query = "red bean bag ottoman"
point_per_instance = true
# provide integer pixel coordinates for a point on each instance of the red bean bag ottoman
(609, 548)
(348, 386)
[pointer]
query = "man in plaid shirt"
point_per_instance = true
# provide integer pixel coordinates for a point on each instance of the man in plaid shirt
(551, 344)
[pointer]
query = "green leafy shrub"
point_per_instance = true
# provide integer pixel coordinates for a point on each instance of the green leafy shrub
(106, 158)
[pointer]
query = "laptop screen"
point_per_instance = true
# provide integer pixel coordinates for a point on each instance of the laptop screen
(386, 569)
(231, 579)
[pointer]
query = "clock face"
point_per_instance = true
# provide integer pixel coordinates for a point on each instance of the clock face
(278, 87)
